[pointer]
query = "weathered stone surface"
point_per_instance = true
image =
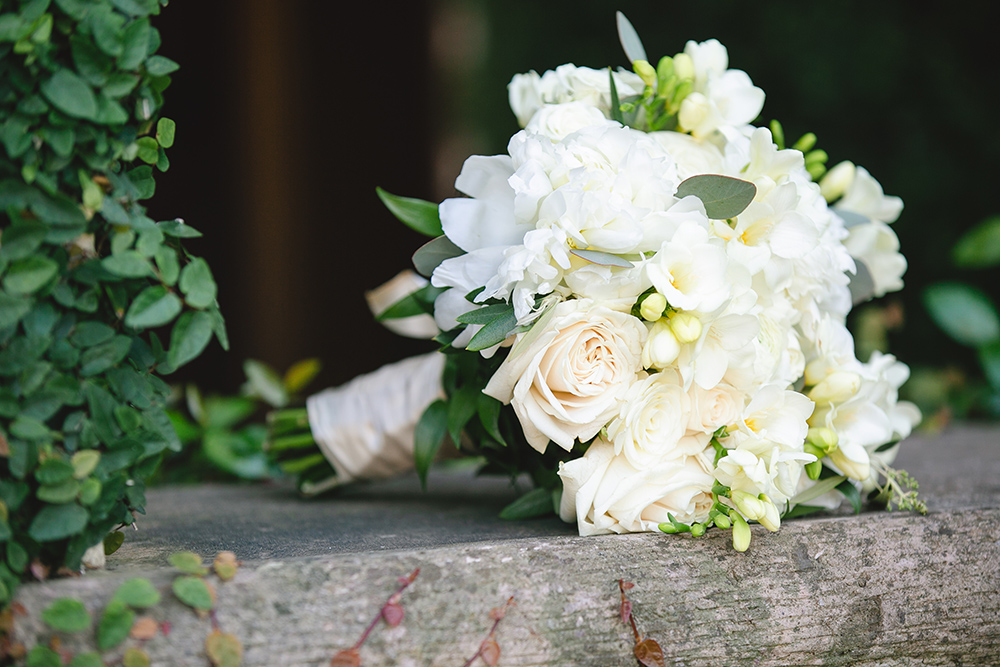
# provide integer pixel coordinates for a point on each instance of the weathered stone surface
(876, 589)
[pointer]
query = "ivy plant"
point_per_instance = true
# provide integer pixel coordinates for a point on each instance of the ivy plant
(97, 300)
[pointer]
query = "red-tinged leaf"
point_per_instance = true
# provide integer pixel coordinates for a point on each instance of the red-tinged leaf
(490, 652)
(393, 614)
(348, 658)
(165, 628)
(649, 653)
(628, 585)
(626, 611)
(497, 613)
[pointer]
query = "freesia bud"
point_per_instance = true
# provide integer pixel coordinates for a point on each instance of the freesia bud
(813, 469)
(686, 327)
(859, 470)
(741, 532)
(824, 438)
(836, 181)
(772, 518)
(652, 307)
(645, 72)
(836, 388)
(661, 348)
(750, 505)
(722, 521)
(697, 529)
(805, 142)
(683, 66)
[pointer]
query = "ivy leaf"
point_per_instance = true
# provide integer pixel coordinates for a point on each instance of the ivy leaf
(194, 592)
(427, 437)
(114, 626)
(723, 196)
(963, 312)
(153, 307)
(137, 593)
(70, 94)
(629, 38)
(419, 215)
(431, 254)
(534, 503)
(67, 615)
(602, 258)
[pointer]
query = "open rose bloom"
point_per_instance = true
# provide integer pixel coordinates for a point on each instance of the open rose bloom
(658, 290)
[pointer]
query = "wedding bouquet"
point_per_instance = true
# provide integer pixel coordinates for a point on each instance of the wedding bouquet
(641, 305)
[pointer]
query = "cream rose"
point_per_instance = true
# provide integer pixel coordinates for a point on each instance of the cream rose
(567, 379)
(604, 493)
(558, 121)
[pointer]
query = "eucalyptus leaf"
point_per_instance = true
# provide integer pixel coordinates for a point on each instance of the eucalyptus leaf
(602, 258)
(485, 314)
(964, 312)
(428, 436)
(534, 503)
(419, 215)
(494, 332)
(629, 38)
(723, 196)
(431, 254)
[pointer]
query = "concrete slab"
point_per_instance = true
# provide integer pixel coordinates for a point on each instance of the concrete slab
(876, 589)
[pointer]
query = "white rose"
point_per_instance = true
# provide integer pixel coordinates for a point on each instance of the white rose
(604, 493)
(566, 381)
(557, 121)
(713, 408)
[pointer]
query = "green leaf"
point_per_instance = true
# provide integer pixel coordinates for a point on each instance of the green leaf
(534, 503)
(42, 656)
(149, 150)
(616, 106)
(57, 522)
(84, 462)
(106, 27)
(142, 179)
(818, 489)
(979, 247)
(965, 313)
(629, 38)
(153, 307)
(989, 358)
(489, 416)
(22, 240)
(90, 490)
(602, 258)
(197, 284)
(851, 493)
(135, 44)
(12, 309)
(493, 333)
(187, 561)
(178, 229)
(114, 626)
(70, 94)
(29, 429)
(227, 411)
(193, 591)
(189, 338)
(90, 333)
(219, 327)
(112, 541)
(240, 454)
(427, 437)
(486, 314)
(225, 650)
(160, 66)
(86, 660)
(66, 615)
(57, 494)
(99, 358)
(462, 405)
(419, 215)
(30, 274)
(166, 261)
(301, 374)
(128, 264)
(54, 471)
(135, 657)
(723, 196)
(265, 384)
(137, 593)
(431, 254)
(165, 131)
(416, 303)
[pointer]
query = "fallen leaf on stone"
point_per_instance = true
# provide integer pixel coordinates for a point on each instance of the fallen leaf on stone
(187, 561)
(649, 653)
(144, 628)
(224, 650)
(225, 565)
(135, 657)
(490, 652)
(348, 658)
(393, 614)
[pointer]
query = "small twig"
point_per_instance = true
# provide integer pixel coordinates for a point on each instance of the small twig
(391, 602)
(489, 650)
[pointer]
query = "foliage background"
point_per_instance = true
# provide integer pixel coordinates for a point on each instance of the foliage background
(292, 112)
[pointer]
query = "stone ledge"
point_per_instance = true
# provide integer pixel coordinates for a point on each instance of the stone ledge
(876, 589)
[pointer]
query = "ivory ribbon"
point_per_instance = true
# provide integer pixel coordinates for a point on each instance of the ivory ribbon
(365, 427)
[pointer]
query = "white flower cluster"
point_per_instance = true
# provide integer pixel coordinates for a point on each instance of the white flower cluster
(689, 352)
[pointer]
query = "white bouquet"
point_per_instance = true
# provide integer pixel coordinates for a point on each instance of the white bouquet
(658, 290)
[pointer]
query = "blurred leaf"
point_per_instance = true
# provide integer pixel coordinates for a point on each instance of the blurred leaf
(57, 522)
(236, 454)
(192, 591)
(427, 437)
(224, 650)
(723, 196)
(980, 246)
(198, 284)
(42, 656)
(84, 462)
(225, 565)
(165, 130)
(534, 503)
(28, 275)
(227, 411)
(963, 312)
(178, 229)
(66, 615)
(347, 658)
(128, 264)
(264, 383)
(135, 657)
(115, 624)
(419, 215)
(301, 374)
(153, 307)
(490, 652)
(70, 94)
(989, 357)
(112, 541)
(187, 561)
(149, 150)
(602, 258)
(629, 38)
(159, 66)
(137, 593)
(392, 614)
(86, 660)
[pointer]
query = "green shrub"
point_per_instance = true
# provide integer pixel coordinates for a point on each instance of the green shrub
(96, 299)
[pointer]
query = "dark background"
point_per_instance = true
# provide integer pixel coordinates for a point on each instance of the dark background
(290, 113)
